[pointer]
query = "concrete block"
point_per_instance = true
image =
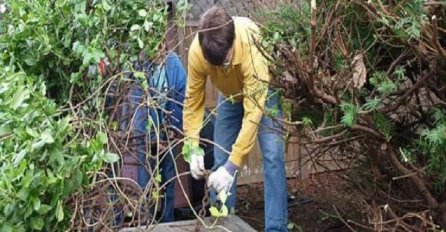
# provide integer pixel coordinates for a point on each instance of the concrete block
(231, 223)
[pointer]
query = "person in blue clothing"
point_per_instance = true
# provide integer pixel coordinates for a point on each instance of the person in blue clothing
(156, 121)
(149, 115)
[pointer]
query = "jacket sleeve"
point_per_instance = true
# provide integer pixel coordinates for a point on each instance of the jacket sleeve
(194, 103)
(254, 69)
(177, 79)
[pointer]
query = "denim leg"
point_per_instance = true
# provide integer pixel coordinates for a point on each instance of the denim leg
(275, 185)
(227, 127)
(139, 144)
(143, 175)
(167, 173)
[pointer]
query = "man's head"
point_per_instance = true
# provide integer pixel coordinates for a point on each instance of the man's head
(216, 35)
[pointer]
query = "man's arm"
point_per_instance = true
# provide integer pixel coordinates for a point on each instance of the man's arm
(256, 77)
(194, 103)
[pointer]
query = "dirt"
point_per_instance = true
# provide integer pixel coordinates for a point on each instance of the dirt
(321, 200)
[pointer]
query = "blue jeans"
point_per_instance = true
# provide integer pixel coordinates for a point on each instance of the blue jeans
(166, 166)
(167, 171)
(227, 127)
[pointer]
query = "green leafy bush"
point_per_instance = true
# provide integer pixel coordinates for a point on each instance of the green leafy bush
(58, 40)
(43, 161)
(52, 124)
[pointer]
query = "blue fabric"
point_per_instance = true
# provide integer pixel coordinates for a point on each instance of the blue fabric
(167, 171)
(230, 167)
(176, 81)
(176, 76)
(227, 126)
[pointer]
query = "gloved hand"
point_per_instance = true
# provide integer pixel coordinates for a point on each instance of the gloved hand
(196, 165)
(194, 155)
(222, 179)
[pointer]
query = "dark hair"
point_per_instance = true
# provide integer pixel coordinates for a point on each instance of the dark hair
(216, 35)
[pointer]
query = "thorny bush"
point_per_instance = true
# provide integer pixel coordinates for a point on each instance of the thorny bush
(365, 81)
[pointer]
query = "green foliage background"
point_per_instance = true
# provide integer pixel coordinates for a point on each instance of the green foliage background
(50, 145)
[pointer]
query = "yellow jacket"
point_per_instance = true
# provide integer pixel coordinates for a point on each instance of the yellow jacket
(246, 79)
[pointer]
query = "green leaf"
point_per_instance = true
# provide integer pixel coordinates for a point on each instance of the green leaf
(214, 211)
(44, 209)
(372, 104)
(23, 194)
(64, 124)
(102, 137)
(92, 56)
(21, 95)
(37, 145)
(28, 212)
(293, 226)
(158, 177)
(135, 27)
(27, 179)
(145, 86)
(400, 73)
(383, 124)
(140, 43)
(4, 131)
(36, 203)
(140, 75)
(9, 208)
(105, 5)
(156, 195)
(293, 42)
(223, 196)
(78, 48)
(438, 115)
(307, 121)
(142, 13)
(276, 36)
(186, 151)
(18, 158)
(189, 149)
(386, 87)
(114, 125)
(111, 157)
(37, 223)
(350, 111)
(83, 19)
(31, 61)
(32, 132)
(224, 211)
(147, 25)
(51, 178)
(46, 137)
(7, 228)
(59, 211)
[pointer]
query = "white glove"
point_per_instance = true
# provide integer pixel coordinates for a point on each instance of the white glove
(221, 180)
(197, 166)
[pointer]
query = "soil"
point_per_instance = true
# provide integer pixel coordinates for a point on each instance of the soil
(320, 201)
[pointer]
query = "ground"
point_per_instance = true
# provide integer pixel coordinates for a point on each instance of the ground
(329, 195)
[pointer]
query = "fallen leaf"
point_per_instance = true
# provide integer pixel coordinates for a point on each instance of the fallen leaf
(359, 71)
